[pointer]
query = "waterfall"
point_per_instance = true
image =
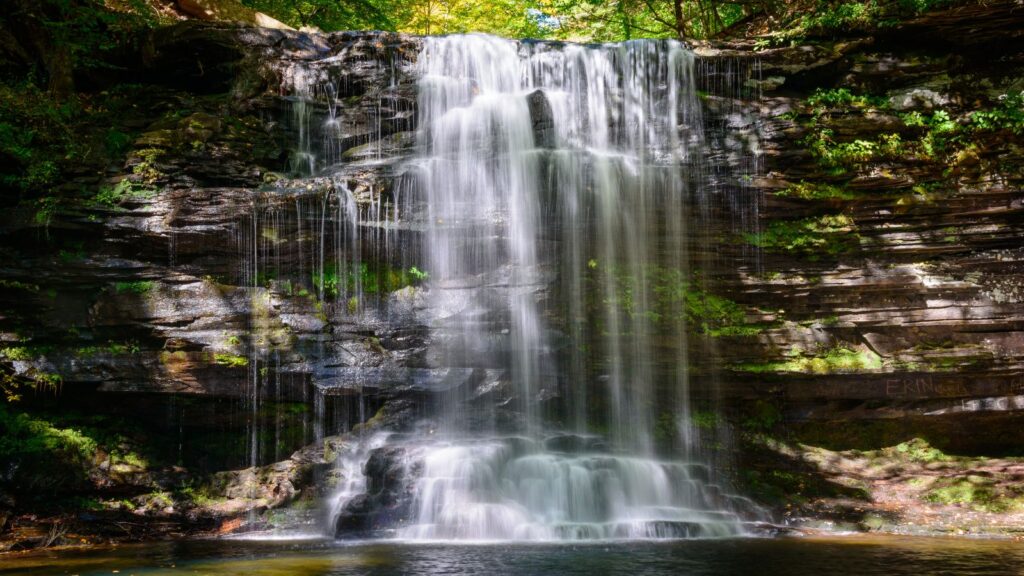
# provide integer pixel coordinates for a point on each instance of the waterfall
(551, 189)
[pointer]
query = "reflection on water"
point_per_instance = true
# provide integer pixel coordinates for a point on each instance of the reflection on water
(860, 556)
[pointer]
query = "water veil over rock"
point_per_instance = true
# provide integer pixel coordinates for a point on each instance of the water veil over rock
(518, 219)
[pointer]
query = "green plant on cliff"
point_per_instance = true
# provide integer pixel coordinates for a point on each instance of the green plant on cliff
(230, 360)
(35, 135)
(831, 17)
(1007, 115)
(816, 191)
(844, 98)
(664, 299)
(42, 455)
(810, 237)
(134, 287)
(827, 361)
(112, 196)
(365, 279)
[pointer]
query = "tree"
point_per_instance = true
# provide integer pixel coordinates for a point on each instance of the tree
(333, 14)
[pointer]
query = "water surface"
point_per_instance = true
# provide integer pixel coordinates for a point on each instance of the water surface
(860, 556)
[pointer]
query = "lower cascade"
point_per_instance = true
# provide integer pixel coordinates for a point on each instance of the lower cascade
(544, 197)
(516, 489)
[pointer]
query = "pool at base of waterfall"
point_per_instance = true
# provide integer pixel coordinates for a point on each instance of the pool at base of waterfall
(853, 555)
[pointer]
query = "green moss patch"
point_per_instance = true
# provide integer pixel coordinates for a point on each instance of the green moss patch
(810, 237)
(830, 361)
(671, 299)
(817, 191)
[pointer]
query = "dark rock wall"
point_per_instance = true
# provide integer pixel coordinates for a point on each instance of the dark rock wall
(882, 293)
(890, 268)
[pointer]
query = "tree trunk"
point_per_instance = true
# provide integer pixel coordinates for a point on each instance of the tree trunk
(26, 22)
(627, 33)
(677, 12)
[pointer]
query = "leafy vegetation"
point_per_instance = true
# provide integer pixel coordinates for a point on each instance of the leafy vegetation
(230, 360)
(810, 237)
(365, 279)
(134, 287)
(842, 97)
(112, 196)
(44, 455)
(816, 191)
(113, 348)
(829, 361)
(591, 20)
(673, 299)
(1007, 115)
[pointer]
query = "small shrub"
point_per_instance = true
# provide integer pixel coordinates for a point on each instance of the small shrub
(1008, 115)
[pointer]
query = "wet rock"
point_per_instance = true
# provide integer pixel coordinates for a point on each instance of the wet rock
(918, 99)
(390, 473)
(260, 488)
(576, 444)
(542, 118)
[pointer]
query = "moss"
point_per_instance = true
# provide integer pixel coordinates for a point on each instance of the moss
(704, 420)
(230, 360)
(202, 496)
(761, 416)
(834, 360)
(74, 252)
(918, 450)
(810, 237)
(157, 500)
(816, 191)
(781, 486)
(752, 329)
(976, 492)
(16, 285)
(672, 299)
(129, 458)
(665, 430)
(115, 348)
(135, 287)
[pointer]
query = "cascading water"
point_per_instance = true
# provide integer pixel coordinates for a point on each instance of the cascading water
(524, 146)
(551, 187)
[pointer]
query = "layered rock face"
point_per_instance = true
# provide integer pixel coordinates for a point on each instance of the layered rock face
(873, 295)
(890, 236)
